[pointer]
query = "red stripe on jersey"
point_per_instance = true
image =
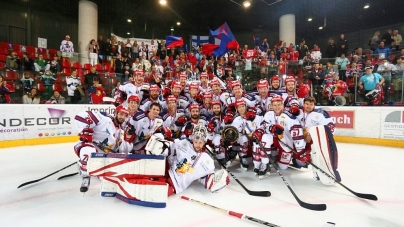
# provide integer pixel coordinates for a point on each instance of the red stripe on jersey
(78, 118)
(93, 117)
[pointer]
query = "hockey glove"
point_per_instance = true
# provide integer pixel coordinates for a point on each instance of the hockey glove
(228, 118)
(180, 122)
(166, 92)
(258, 133)
(212, 125)
(294, 109)
(168, 135)
(129, 135)
(251, 113)
(303, 156)
(86, 135)
(216, 181)
(276, 129)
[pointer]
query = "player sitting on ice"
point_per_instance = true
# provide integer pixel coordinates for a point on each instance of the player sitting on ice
(174, 118)
(150, 185)
(284, 131)
(142, 125)
(99, 133)
(318, 130)
(245, 124)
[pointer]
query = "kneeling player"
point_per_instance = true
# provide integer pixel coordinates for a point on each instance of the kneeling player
(142, 180)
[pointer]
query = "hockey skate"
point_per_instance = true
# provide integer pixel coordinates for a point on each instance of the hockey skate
(296, 166)
(85, 184)
(244, 163)
(264, 171)
(256, 171)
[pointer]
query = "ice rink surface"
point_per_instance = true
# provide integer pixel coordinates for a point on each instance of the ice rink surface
(52, 202)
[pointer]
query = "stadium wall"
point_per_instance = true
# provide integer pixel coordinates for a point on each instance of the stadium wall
(24, 125)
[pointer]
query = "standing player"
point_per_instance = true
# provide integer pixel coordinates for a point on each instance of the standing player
(153, 97)
(132, 88)
(276, 85)
(173, 118)
(195, 119)
(105, 131)
(284, 131)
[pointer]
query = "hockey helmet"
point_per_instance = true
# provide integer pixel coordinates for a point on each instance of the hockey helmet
(214, 82)
(203, 75)
(154, 87)
(217, 102)
(134, 98)
(277, 98)
(194, 106)
(194, 86)
(199, 133)
(207, 95)
(303, 91)
(235, 84)
(276, 77)
(262, 83)
(240, 102)
(176, 84)
(171, 98)
(122, 109)
(290, 79)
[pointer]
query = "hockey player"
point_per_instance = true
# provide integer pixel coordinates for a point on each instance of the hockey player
(133, 105)
(99, 133)
(290, 84)
(193, 94)
(133, 88)
(195, 119)
(284, 131)
(216, 89)
(310, 118)
(246, 122)
(173, 118)
(276, 85)
(238, 93)
(214, 126)
(206, 107)
(153, 97)
(142, 125)
(204, 87)
(265, 96)
(187, 161)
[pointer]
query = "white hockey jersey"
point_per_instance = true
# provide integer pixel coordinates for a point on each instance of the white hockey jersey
(227, 99)
(132, 89)
(145, 103)
(144, 127)
(186, 165)
(169, 120)
(315, 118)
(72, 84)
(245, 126)
(105, 131)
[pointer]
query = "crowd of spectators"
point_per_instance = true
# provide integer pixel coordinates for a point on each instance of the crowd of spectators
(249, 64)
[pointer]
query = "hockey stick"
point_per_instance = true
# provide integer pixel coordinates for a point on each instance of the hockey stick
(231, 213)
(360, 195)
(253, 193)
(316, 207)
(67, 175)
(34, 181)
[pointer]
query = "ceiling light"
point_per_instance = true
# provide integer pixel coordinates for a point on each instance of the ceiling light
(178, 23)
(163, 2)
(128, 33)
(366, 6)
(247, 3)
(129, 20)
(310, 19)
(172, 29)
(320, 28)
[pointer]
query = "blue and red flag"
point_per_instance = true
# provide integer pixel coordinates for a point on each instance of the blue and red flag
(174, 41)
(221, 40)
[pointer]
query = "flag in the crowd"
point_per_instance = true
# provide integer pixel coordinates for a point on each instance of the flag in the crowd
(227, 41)
(257, 43)
(198, 40)
(174, 41)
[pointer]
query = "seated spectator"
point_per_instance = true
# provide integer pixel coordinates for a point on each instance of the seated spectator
(27, 82)
(4, 91)
(56, 99)
(12, 61)
(27, 63)
(383, 51)
(89, 78)
(32, 97)
(48, 80)
(74, 88)
(41, 65)
(55, 66)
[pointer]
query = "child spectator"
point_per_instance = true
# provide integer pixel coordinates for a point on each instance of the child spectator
(48, 80)
(27, 82)
(96, 92)
(41, 65)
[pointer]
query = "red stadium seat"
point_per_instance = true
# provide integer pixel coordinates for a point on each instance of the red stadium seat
(30, 49)
(5, 45)
(80, 72)
(107, 67)
(67, 71)
(112, 75)
(40, 87)
(87, 66)
(52, 52)
(59, 79)
(58, 87)
(4, 51)
(66, 64)
(104, 81)
(11, 75)
(82, 79)
(41, 50)
(2, 65)
(18, 52)
(17, 47)
(77, 65)
(11, 86)
(98, 67)
(3, 58)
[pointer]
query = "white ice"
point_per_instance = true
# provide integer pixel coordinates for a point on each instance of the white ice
(364, 169)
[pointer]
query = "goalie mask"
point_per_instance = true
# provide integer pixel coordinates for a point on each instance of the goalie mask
(199, 133)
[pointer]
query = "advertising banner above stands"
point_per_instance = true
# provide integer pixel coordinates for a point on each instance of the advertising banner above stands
(43, 124)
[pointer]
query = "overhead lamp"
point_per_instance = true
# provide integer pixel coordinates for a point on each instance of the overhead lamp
(178, 23)
(172, 29)
(320, 27)
(129, 20)
(310, 19)
(247, 3)
(128, 33)
(163, 2)
(366, 6)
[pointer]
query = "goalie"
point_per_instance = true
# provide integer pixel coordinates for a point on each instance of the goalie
(143, 179)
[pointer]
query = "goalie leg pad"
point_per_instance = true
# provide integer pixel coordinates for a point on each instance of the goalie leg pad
(126, 166)
(324, 154)
(141, 192)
